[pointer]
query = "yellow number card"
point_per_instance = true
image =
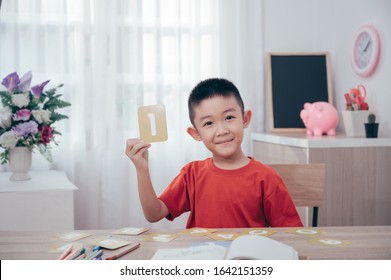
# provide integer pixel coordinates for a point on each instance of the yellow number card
(130, 231)
(71, 236)
(109, 242)
(310, 232)
(198, 231)
(223, 236)
(62, 247)
(329, 242)
(258, 231)
(152, 123)
(160, 237)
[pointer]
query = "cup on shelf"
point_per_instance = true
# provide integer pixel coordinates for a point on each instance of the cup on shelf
(354, 122)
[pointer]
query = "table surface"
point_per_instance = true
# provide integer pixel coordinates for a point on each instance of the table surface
(373, 242)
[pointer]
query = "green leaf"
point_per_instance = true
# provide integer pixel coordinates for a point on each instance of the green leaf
(6, 99)
(46, 152)
(56, 132)
(4, 156)
(56, 117)
(54, 104)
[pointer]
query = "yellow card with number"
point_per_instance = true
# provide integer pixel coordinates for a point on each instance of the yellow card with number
(160, 237)
(224, 236)
(310, 232)
(329, 242)
(109, 242)
(197, 231)
(130, 231)
(71, 236)
(258, 231)
(152, 123)
(61, 247)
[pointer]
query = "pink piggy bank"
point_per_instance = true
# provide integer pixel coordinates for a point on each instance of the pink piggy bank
(319, 118)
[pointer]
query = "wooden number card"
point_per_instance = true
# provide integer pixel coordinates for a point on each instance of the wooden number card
(152, 123)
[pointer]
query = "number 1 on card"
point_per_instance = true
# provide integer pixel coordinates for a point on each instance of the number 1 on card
(152, 123)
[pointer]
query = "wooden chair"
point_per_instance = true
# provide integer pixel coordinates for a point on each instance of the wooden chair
(305, 183)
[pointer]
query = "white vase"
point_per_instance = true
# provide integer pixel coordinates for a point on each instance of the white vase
(20, 163)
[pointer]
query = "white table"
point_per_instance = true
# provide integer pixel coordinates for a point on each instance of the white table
(45, 202)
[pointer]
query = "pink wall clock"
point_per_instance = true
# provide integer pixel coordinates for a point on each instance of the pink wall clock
(366, 50)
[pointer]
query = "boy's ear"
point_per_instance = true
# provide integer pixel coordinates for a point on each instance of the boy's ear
(193, 133)
(247, 118)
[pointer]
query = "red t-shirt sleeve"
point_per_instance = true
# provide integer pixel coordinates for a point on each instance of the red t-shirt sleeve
(279, 208)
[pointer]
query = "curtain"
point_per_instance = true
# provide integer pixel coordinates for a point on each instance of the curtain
(114, 56)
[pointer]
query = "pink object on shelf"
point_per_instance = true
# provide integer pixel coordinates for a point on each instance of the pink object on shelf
(358, 96)
(319, 118)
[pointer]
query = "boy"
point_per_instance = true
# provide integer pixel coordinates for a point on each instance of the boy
(224, 191)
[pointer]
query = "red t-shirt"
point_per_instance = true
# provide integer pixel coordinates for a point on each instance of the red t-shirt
(251, 196)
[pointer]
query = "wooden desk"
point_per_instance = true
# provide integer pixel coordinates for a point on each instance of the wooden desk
(357, 185)
(366, 243)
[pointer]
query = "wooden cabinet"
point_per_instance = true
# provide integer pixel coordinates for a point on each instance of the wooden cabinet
(358, 173)
(43, 203)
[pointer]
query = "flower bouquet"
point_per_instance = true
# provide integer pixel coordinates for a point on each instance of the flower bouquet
(27, 115)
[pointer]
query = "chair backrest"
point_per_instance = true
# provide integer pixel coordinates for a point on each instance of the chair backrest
(305, 182)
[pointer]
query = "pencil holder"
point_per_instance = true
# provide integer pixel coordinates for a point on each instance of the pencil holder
(354, 122)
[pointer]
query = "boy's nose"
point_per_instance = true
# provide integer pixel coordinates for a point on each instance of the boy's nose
(222, 129)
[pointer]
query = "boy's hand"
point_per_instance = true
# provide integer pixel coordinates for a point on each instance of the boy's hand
(137, 151)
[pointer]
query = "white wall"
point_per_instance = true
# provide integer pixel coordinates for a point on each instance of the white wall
(319, 25)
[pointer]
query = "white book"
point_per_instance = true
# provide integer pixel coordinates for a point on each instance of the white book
(245, 247)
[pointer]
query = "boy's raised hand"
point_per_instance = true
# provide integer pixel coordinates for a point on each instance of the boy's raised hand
(137, 151)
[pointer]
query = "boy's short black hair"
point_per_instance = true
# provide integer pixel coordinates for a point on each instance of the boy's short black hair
(210, 88)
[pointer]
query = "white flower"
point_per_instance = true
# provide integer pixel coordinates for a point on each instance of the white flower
(42, 116)
(21, 99)
(8, 140)
(5, 117)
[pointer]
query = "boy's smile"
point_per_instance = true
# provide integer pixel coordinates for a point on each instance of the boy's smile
(219, 124)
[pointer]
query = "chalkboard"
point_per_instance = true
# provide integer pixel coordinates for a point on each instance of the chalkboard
(294, 79)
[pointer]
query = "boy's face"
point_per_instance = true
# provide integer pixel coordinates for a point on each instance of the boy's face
(219, 124)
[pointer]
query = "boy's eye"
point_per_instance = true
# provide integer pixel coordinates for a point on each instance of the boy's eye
(229, 117)
(207, 123)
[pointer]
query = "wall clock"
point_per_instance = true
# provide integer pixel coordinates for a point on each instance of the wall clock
(366, 50)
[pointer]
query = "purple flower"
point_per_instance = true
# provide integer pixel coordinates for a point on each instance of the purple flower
(25, 82)
(11, 82)
(26, 128)
(22, 115)
(38, 89)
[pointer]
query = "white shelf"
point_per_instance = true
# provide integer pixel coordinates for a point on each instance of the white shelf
(40, 181)
(302, 140)
(45, 202)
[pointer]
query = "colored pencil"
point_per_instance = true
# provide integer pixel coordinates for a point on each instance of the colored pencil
(66, 253)
(117, 256)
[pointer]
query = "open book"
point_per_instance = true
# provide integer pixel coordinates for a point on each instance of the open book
(245, 247)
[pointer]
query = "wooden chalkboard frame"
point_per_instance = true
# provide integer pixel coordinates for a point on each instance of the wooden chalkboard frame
(281, 119)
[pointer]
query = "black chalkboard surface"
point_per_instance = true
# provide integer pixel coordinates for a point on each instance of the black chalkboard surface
(294, 79)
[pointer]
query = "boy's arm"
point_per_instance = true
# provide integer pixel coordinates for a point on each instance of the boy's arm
(154, 209)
